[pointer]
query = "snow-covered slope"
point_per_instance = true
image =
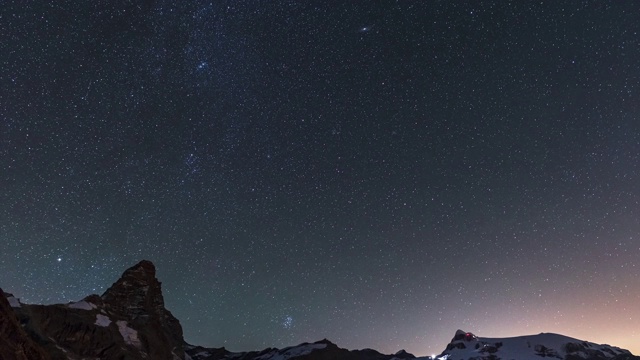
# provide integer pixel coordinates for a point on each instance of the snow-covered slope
(467, 346)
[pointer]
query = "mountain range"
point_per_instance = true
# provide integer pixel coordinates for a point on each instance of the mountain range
(130, 322)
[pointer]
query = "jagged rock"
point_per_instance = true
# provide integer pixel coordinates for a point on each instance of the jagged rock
(464, 335)
(15, 343)
(137, 297)
(137, 294)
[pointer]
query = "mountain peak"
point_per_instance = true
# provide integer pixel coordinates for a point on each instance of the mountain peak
(325, 341)
(137, 291)
(463, 335)
(145, 270)
(145, 265)
(403, 354)
(137, 297)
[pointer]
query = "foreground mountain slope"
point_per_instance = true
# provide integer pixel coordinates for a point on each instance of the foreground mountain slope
(467, 346)
(15, 343)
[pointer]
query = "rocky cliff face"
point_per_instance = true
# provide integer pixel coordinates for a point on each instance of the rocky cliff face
(15, 343)
(137, 297)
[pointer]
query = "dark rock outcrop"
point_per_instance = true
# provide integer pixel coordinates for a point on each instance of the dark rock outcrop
(15, 343)
(66, 332)
(137, 297)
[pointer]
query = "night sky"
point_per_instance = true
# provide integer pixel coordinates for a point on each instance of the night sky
(378, 173)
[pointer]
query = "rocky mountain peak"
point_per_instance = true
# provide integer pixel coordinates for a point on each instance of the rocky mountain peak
(464, 335)
(403, 354)
(137, 293)
(137, 297)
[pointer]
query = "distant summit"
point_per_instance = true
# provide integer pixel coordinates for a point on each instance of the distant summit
(467, 346)
(129, 321)
(320, 350)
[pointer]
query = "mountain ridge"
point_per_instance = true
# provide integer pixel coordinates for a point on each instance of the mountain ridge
(130, 321)
(466, 345)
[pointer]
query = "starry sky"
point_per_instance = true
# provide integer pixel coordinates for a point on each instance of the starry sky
(377, 173)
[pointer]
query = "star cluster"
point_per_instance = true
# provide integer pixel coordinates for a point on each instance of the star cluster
(376, 174)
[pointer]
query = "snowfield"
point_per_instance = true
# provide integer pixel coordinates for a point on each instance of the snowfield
(129, 335)
(529, 347)
(82, 305)
(102, 320)
(13, 302)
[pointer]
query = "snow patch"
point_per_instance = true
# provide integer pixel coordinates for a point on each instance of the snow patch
(129, 335)
(14, 302)
(102, 320)
(82, 305)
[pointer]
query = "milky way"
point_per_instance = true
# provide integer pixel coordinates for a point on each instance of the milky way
(380, 175)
